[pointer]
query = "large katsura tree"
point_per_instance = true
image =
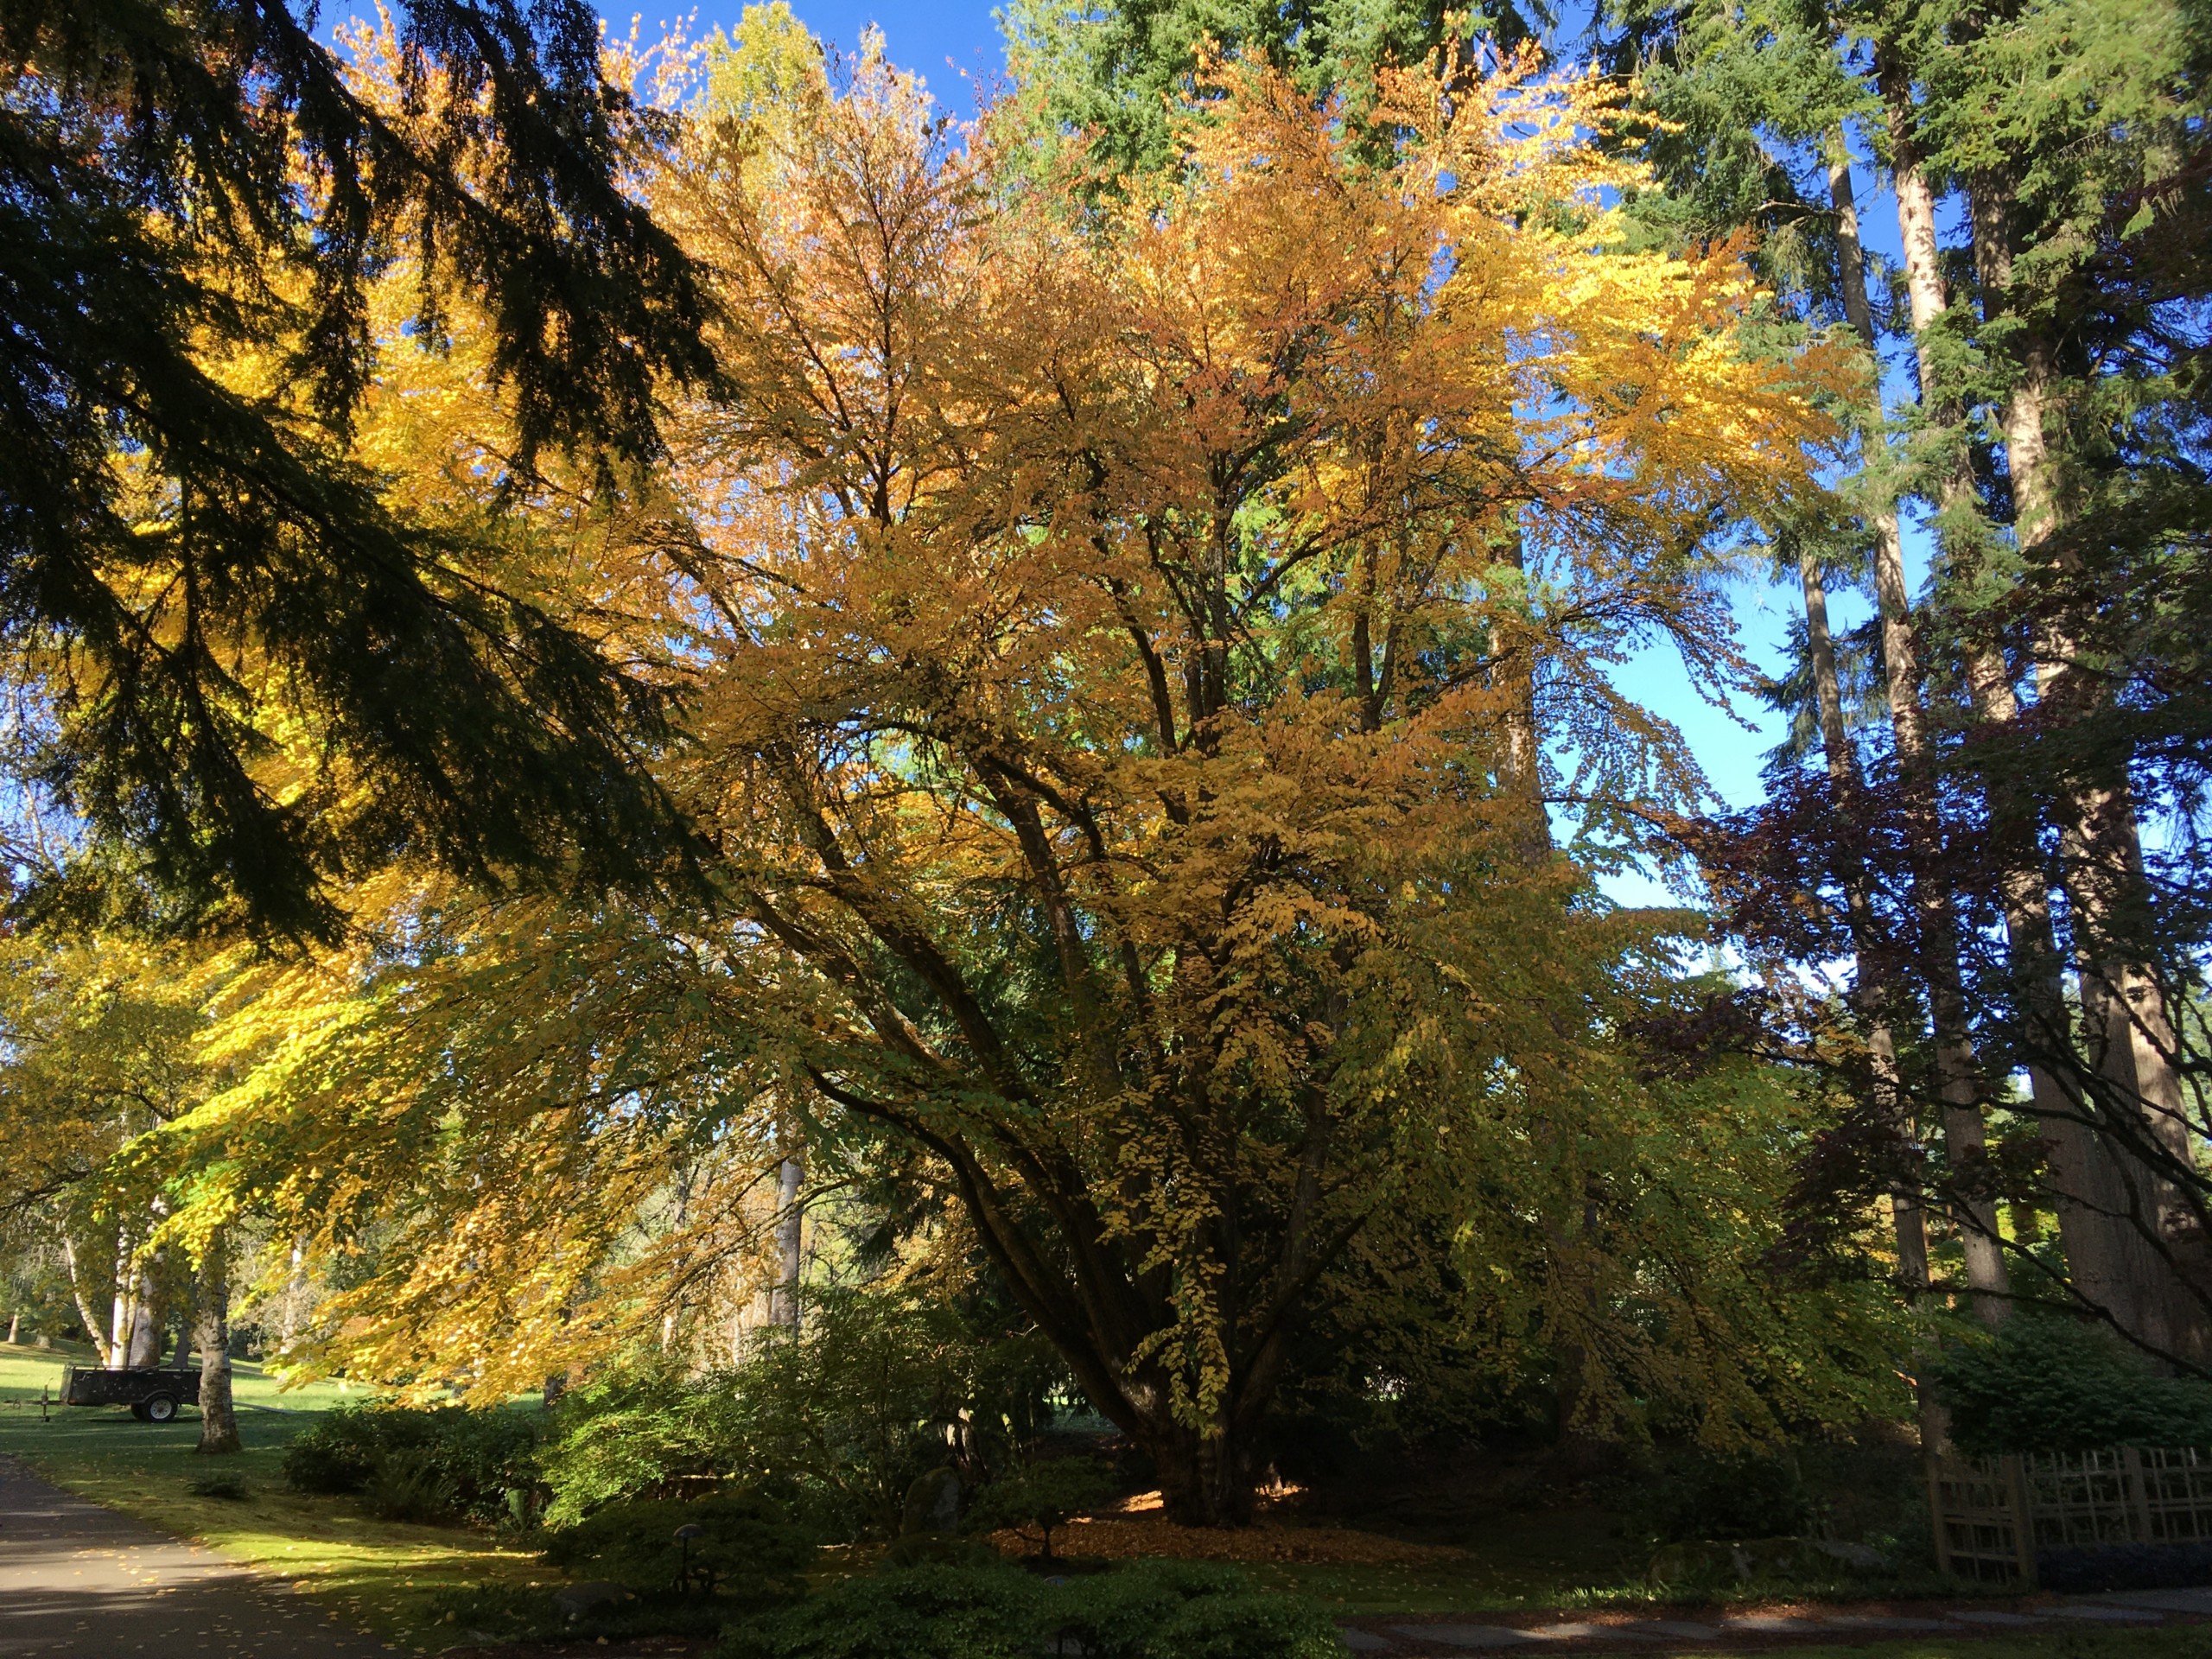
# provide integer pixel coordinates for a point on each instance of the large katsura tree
(1103, 642)
(1099, 642)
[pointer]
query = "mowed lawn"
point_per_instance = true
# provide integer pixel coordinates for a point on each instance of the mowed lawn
(378, 1575)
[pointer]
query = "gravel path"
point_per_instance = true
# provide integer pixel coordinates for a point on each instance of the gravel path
(76, 1579)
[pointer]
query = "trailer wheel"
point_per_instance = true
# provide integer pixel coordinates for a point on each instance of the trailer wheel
(161, 1407)
(138, 1410)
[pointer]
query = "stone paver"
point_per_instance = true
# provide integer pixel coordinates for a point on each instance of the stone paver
(1477, 1637)
(2105, 1615)
(1587, 1630)
(1660, 1635)
(78, 1579)
(2165, 1601)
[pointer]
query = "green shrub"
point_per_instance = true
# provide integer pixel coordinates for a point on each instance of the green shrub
(338, 1454)
(1151, 1610)
(410, 1465)
(841, 1415)
(408, 1486)
(917, 1612)
(748, 1542)
(1044, 1495)
(648, 1431)
(1689, 1495)
(1116, 1615)
(2043, 1382)
(1247, 1625)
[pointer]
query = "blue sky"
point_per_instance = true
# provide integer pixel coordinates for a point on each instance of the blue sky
(936, 41)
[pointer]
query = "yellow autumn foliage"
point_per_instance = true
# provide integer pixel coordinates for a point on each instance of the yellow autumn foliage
(1124, 660)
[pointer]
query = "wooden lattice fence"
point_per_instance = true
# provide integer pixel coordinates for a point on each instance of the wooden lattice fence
(1993, 1516)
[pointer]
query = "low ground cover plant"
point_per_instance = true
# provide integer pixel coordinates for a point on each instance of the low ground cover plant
(531, 1613)
(1151, 1609)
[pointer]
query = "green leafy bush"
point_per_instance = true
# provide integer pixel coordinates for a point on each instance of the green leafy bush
(1691, 1495)
(1117, 1615)
(1151, 1609)
(644, 1432)
(917, 1612)
(841, 1415)
(1044, 1495)
(1246, 1625)
(746, 1541)
(409, 1485)
(419, 1466)
(2046, 1384)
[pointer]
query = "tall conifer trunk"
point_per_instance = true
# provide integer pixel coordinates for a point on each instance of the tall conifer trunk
(2129, 1215)
(1908, 1219)
(1959, 1079)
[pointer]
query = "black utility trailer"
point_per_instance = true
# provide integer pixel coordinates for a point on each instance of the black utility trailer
(152, 1392)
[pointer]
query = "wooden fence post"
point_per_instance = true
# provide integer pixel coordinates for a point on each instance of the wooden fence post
(1936, 1510)
(2137, 1486)
(2023, 1519)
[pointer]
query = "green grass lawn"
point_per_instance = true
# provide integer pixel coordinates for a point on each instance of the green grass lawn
(378, 1575)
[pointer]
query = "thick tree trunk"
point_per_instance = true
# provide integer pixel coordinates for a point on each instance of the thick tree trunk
(135, 1317)
(1959, 1079)
(218, 1422)
(2127, 1217)
(1206, 1479)
(2106, 1264)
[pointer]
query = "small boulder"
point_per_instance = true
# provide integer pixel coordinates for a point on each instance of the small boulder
(932, 1505)
(1859, 1558)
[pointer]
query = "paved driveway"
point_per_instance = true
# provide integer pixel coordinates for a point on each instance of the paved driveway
(78, 1579)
